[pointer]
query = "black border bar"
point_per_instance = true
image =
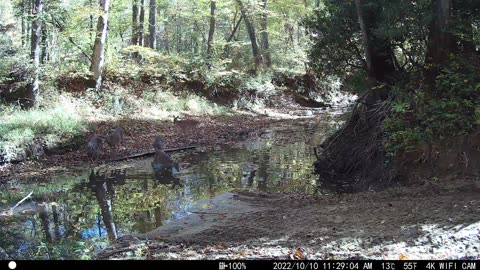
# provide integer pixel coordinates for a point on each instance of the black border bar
(251, 264)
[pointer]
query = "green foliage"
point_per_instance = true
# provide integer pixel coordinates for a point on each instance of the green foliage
(261, 85)
(337, 40)
(425, 115)
(157, 103)
(5, 13)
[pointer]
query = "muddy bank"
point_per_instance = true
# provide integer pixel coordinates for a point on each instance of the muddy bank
(431, 221)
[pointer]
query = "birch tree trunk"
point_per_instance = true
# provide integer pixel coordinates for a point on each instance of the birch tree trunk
(98, 58)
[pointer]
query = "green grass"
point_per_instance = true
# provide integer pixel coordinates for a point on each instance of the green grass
(164, 104)
(54, 126)
(65, 119)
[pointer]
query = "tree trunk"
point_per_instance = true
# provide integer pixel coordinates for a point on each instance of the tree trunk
(378, 52)
(141, 34)
(135, 22)
(440, 41)
(211, 33)
(166, 33)
(92, 30)
(23, 24)
(363, 27)
(253, 38)
(35, 51)
(44, 43)
(98, 58)
(235, 28)
(226, 50)
(152, 24)
(196, 30)
(264, 36)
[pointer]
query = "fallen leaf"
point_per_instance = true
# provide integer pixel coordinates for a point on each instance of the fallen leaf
(298, 255)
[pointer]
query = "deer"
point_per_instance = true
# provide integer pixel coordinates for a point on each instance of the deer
(158, 144)
(185, 124)
(162, 161)
(116, 137)
(94, 147)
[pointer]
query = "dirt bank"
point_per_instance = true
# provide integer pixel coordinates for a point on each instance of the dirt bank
(435, 220)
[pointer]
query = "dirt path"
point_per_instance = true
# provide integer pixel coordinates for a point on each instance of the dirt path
(423, 222)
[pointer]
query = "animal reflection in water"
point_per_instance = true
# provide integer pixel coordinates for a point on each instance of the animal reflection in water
(163, 168)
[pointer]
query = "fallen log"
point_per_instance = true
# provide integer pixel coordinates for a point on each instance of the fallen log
(151, 153)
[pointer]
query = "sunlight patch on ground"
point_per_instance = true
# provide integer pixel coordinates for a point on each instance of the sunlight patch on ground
(424, 242)
(433, 242)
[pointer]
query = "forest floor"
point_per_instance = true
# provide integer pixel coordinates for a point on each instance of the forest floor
(431, 220)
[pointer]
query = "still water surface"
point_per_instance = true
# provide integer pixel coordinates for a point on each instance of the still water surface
(72, 216)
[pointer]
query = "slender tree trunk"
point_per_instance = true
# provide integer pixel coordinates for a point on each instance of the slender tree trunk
(141, 33)
(235, 28)
(35, 51)
(29, 25)
(257, 56)
(44, 43)
(135, 22)
(166, 33)
(264, 36)
(152, 24)
(158, 216)
(98, 58)
(226, 50)
(24, 28)
(196, 30)
(92, 29)
(440, 42)
(177, 30)
(211, 33)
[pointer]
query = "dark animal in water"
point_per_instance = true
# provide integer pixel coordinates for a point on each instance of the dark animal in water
(158, 144)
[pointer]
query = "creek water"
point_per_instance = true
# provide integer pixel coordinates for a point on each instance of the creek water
(74, 215)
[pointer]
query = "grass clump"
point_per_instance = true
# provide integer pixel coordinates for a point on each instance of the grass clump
(58, 125)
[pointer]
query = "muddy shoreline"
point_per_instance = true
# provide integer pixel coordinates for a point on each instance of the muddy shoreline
(428, 221)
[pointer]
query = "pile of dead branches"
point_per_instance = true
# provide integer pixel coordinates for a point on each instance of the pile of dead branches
(354, 158)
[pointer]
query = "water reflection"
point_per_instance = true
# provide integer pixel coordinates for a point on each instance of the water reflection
(163, 169)
(144, 194)
(103, 186)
